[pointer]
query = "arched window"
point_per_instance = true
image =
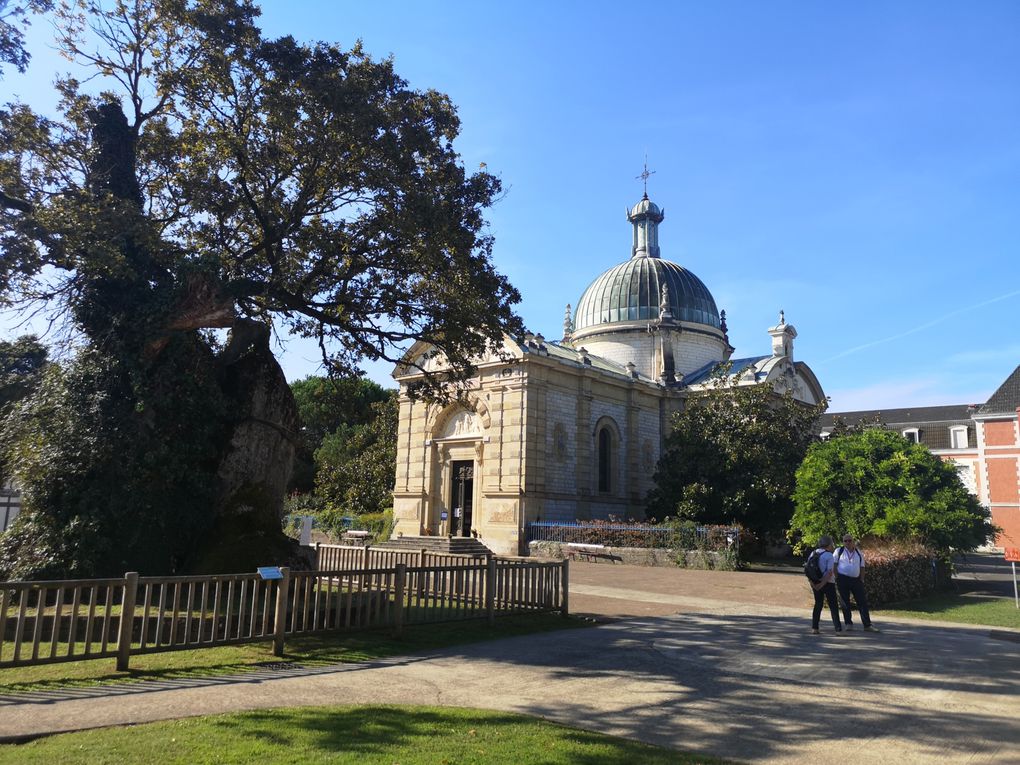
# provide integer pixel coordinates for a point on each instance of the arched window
(605, 460)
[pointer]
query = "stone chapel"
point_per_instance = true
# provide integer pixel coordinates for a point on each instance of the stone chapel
(572, 429)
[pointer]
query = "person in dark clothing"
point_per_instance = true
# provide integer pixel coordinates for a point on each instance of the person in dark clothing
(849, 566)
(825, 589)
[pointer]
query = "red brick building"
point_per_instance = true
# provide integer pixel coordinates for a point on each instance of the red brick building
(998, 446)
(982, 440)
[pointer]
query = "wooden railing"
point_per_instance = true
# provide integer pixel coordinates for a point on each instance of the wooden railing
(337, 557)
(45, 622)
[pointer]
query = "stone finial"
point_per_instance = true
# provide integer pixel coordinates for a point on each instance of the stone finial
(783, 335)
(722, 324)
(665, 313)
(568, 324)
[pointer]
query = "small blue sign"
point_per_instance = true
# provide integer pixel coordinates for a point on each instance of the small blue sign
(270, 572)
(442, 515)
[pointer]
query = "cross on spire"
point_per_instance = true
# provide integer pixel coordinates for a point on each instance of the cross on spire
(644, 176)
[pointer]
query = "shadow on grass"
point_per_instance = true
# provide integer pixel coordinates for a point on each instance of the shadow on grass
(411, 735)
(312, 654)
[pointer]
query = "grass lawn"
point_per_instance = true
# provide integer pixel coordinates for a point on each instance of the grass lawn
(321, 649)
(962, 608)
(366, 735)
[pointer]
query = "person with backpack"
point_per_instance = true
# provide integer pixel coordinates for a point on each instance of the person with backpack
(820, 572)
(849, 565)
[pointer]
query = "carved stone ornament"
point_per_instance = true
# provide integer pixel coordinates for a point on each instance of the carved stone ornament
(504, 513)
(462, 424)
(560, 442)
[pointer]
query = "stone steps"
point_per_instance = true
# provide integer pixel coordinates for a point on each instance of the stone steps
(455, 545)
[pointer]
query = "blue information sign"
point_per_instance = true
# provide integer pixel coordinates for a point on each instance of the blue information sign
(270, 572)
(442, 515)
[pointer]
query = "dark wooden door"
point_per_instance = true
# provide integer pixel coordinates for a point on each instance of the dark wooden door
(462, 497)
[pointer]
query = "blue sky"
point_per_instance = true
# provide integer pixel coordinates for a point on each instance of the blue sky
(857, 165)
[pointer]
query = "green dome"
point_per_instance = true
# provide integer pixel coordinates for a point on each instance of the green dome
(632, 292)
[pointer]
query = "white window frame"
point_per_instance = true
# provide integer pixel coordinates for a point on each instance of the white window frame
(913, 435)
(955, 433)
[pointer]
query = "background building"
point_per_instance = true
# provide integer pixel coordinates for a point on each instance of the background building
(983, 441)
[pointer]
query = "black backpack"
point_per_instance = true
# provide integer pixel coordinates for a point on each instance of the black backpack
(813, 567)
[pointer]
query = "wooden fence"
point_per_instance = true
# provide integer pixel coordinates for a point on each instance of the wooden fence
(47, 622)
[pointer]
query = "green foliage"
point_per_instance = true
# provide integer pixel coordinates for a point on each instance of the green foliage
(330, 410)
(357, 465)
(325, 404)
(731, 458)
(877, 483)
(116, 472)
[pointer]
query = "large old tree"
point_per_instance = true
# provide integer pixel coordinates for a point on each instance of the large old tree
(205, 179)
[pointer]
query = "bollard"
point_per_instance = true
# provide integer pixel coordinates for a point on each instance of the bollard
(127, 620)
(280, 616)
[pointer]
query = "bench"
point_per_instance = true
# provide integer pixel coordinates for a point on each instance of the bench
(591, 553)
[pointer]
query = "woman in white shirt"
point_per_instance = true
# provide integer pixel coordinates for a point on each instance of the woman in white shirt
(849, 564)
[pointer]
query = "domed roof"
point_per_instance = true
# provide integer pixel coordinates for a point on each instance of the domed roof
(645, 206)
(632, 291)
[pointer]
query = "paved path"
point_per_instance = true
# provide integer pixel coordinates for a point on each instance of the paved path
(743, 680)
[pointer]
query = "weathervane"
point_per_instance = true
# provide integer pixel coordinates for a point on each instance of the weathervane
(644, 176)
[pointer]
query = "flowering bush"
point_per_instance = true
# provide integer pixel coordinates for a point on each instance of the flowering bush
(669, 535)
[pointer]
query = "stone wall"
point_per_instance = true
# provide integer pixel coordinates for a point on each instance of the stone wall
(635, 556)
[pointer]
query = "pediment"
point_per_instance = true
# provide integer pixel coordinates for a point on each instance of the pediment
(424, 356)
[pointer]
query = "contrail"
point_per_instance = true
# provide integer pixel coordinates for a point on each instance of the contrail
(922, 327)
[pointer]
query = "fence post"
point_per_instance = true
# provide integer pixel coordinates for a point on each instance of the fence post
(565, 576)
(280, 617)
(398, 617)
(318, 560)
(490, 590)
(127, 620)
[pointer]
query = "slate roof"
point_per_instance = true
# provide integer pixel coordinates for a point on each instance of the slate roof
(1006, 399)
(912, 417)
(933, 423)
(737, 366)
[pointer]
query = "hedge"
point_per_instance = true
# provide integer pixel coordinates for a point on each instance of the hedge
(897, 571)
